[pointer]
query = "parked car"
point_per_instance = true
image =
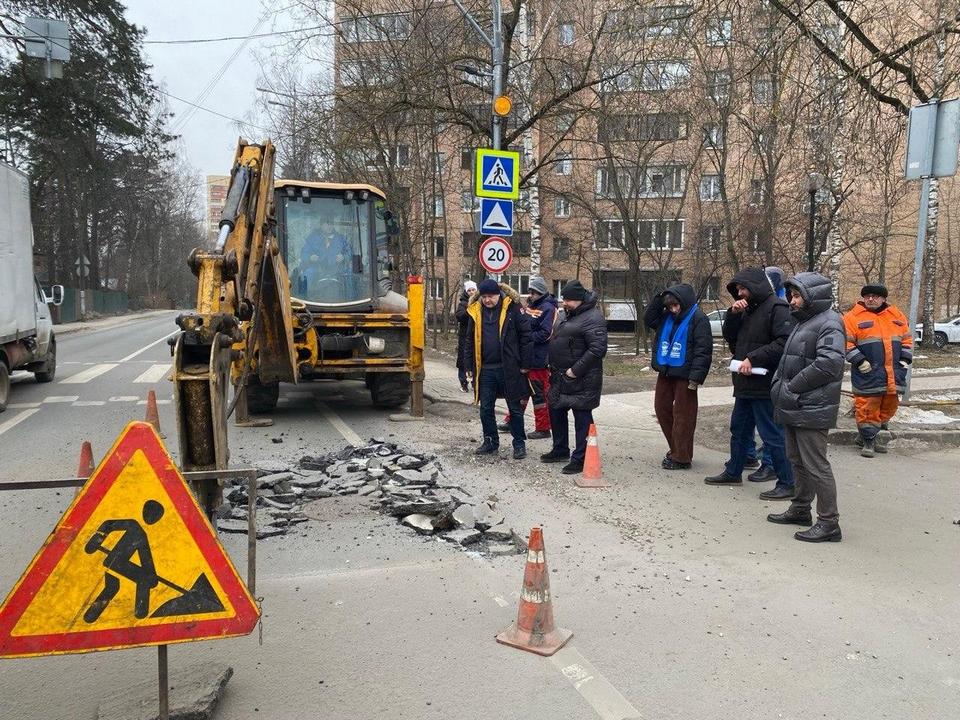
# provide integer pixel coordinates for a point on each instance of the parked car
(716, 322)
(945, 331)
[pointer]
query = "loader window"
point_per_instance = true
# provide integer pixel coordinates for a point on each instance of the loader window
(329, 249)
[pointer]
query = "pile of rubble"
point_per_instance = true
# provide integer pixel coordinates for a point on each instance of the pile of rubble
(407, 486)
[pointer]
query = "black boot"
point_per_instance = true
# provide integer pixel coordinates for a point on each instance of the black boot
(488, 448)
(538, 435)
(778, 493)
(555, 457)
(723, 479)
(764, 474)
(821, 532)
(792, 516)
(868, 448)
(572, 468)
(504, 427)
(519, 452)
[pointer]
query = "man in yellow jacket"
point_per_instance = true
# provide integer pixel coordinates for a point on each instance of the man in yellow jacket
(879, 349)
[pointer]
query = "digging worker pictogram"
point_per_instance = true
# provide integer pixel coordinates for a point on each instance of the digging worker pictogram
(119, 561)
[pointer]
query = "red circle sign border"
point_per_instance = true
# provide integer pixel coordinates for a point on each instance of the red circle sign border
(483, 246)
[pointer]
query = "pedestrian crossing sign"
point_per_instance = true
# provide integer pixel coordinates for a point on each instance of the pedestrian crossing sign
(133, 562)
(497, 174)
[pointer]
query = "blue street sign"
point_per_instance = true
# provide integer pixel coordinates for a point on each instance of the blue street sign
(496, 217)
(497, 174)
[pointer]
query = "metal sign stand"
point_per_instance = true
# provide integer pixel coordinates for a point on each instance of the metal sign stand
(164, 683)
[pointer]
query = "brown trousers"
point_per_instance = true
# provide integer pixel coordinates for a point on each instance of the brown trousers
(676, 409)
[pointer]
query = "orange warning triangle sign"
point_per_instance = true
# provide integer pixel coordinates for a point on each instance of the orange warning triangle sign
(132, 562)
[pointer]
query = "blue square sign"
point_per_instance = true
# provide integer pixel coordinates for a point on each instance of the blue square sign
(497, 174)
(496, 217)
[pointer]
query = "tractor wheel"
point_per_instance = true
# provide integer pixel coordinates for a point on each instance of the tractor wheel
(262, 397)
(389, 390)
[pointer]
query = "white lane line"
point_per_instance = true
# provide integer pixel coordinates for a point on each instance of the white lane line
(123, 398)
(153, 374)
(88, 403)
(132, 355)
(61, 399)
(159, 402)
(349, 435)
(85, 376)
(17, 419)
(22, 406)
(603, 697)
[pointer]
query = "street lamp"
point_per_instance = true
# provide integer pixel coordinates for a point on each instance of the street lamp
(815, 183)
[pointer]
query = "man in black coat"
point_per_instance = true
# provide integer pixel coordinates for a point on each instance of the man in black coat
(576, 353)
(682, 354)
(463, 364)
(756, 327)
(499, 346)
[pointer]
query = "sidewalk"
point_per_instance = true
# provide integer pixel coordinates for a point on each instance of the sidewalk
(105, 323)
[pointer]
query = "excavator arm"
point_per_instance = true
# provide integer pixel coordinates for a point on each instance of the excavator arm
(242, 320)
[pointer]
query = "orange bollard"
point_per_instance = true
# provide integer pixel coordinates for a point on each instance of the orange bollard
(592, 476)
(535, 630)
(153, 417)
(86, 466)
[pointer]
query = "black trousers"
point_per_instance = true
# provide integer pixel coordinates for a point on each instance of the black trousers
(559, 426)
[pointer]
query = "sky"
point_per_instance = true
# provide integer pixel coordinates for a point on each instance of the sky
(184, 70)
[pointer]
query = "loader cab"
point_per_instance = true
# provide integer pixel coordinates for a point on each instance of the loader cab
(334, 241)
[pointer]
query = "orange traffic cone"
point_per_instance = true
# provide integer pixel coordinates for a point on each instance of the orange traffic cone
(153, 417)
(535, 630)
(592, 476)
(86, 466)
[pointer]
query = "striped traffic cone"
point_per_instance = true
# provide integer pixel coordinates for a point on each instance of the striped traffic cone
(85, 467)
(153, 417)
(592, 476)
(535, 630)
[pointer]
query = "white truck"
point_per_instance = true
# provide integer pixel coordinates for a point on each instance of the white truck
(27, 341)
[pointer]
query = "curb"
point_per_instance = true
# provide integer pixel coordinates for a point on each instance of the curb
(104, 323)
(941, 437)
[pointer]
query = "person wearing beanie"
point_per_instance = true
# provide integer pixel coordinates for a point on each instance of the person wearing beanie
(879, 350)
(498, 348)
(576, 353)
(463, 364)
(541, 311)
(682, 354)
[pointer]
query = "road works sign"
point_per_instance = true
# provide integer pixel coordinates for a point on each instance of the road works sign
(132, 562)
(495, 255)
(496, 217)
(497, 174)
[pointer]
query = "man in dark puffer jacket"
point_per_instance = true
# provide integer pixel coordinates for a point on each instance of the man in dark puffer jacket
(756, 327)
(682, 353)
(577, 348)
(806, 401)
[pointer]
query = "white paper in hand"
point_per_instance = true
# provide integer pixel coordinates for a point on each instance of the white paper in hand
(735, 367)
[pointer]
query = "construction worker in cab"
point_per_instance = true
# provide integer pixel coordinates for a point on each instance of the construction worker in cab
(879, 350)
(499, 348)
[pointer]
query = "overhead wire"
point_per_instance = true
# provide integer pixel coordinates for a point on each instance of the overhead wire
(194, 41)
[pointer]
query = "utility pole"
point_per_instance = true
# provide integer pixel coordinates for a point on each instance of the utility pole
(295, 154)
(495, 41)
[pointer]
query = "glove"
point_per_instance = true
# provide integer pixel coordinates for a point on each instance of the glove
(692, 385)
(865, 367)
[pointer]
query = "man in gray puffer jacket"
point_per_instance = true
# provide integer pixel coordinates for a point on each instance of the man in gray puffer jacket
(806, 401)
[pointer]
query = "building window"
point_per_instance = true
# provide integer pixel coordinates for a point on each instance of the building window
(438, 160)
(466, 158)
(651, 181)
(758, 240)
(371, 28)
(471, 244)
(718, 85)
(711, 237)
(561, 207)
(400, 156)
(438, 206)
(719, 31)
(608, 235)
(664, 75)
(713, 135)
(558, 286)
(439, 246)
(648, 126)
(521, 243)
(563, 164)
(564, 123)
(758, 192)
(665, 21)
(436, 288)
(466, 201)
(612, 284)
(561, 248)
(660, 234)
(565, 34)
(711, 289)
(764, 90)
(710, 187)
(518, 281)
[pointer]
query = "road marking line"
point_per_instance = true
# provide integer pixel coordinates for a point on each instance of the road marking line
(500, 601)
(17, 419)
(123, 398)
(154, 373)
(88, 403)
(22, 406)
(603, 697)
(159, 402)
(349, 435)
(61, 399)
(85, 376)
(132, 355)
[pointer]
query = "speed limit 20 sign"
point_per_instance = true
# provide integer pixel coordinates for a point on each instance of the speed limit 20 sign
(495, 254)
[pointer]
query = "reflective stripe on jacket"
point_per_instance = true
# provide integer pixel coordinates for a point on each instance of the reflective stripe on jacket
(883, 339)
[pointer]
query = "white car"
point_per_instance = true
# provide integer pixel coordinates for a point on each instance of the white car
(716, 322)
(945, 331)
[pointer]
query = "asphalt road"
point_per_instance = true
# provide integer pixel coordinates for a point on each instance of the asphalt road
(684, 603)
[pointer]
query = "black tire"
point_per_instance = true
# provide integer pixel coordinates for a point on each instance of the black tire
(389, 390)
(4, 386)
(262, 397)
(940, 340)
(49, 370)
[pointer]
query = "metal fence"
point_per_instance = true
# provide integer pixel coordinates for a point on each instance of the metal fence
(102, 302)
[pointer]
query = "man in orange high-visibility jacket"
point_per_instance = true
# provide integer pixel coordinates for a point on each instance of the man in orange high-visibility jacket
(879, 349)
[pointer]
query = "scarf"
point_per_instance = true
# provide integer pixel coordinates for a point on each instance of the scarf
(674, 354)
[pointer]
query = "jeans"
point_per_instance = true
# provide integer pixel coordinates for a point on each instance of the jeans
(764, 455)
(756, 412)
(559, 426)
(491, 386)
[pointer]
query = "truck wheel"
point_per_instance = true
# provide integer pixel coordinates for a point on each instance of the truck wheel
(389, 390)
(940, 340)
(49, 365)
(262, 397)
(4, 385)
